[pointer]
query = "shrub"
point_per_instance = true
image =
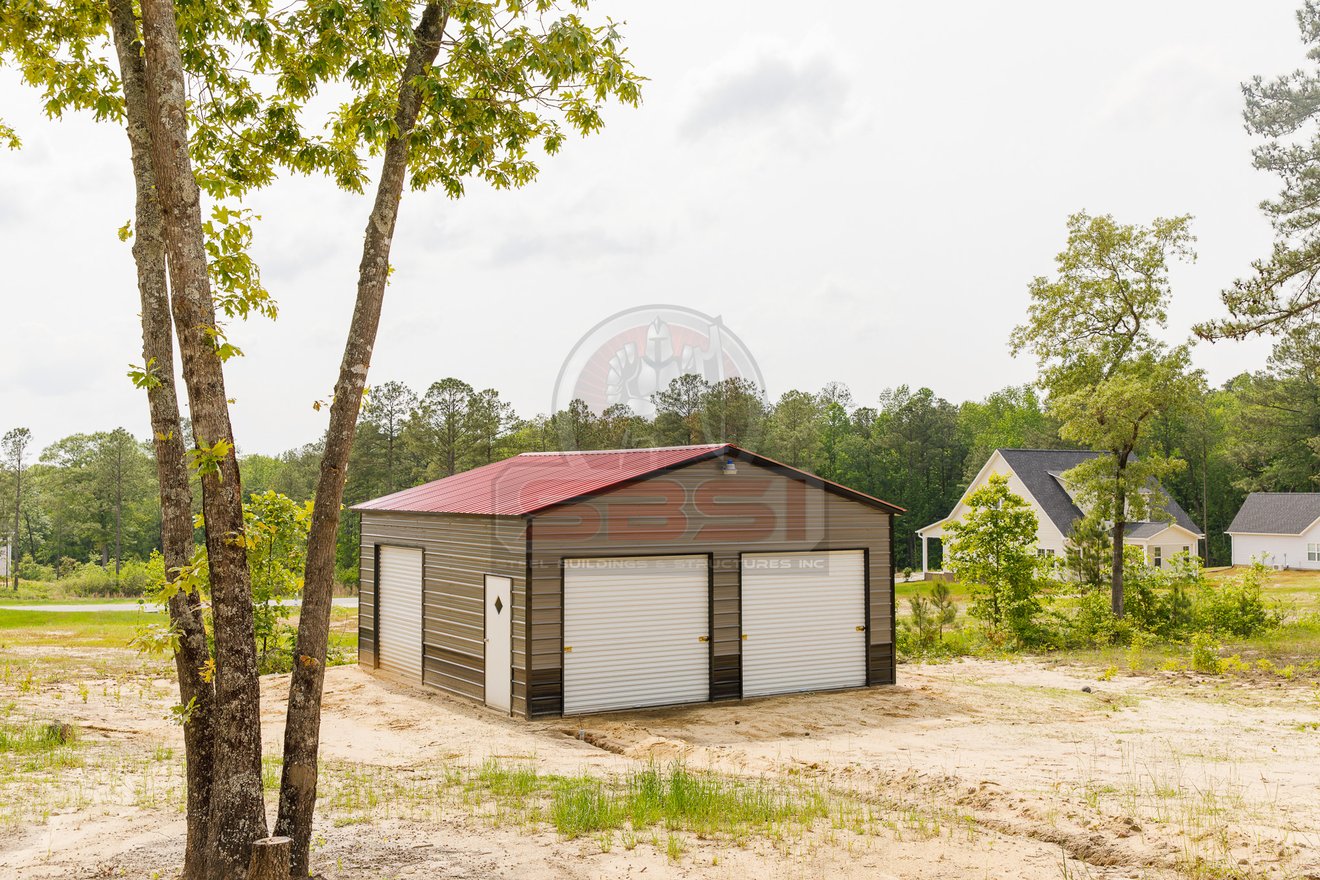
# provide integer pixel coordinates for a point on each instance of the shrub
(1235, 607)
(31, 570)
(136, 578)
(923, 634)
(1205, 654)
(1093, 624)
(994, 547)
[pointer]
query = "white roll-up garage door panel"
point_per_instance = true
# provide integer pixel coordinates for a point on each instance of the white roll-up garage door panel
(635, 632)
(803, 621)
(399, 610)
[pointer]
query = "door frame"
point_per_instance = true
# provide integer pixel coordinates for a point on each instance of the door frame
(710, 612)
(485, 653)
(375, 603)
(866, 601)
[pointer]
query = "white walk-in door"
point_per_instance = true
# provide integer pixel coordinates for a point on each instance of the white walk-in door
(399, 611)
(803, 621)
(636, 632)
(499, 642)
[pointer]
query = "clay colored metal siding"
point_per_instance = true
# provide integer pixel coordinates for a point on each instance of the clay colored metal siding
(459, 551)
(696, 508)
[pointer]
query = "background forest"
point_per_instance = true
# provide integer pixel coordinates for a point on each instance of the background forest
(93, 497)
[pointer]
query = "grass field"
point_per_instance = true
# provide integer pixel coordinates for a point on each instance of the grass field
(73, 629)
(1293, 648)
(8, 600)
(115, 629)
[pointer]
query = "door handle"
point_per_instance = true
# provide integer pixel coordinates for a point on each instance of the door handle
(861, 629)
(703, 638)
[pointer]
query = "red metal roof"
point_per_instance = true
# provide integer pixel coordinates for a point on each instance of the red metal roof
(535, 481)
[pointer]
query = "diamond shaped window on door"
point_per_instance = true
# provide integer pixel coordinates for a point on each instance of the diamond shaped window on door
(499, 606)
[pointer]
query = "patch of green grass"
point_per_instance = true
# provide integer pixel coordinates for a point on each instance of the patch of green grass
(10, 600)
(678, 799)
(517, 781)
(36, 745)
(73, 629)
(960, 592)
(271, 768)
(1296, 590)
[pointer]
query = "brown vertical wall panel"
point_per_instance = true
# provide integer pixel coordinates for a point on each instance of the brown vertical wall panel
(459, 551)
(697, 508)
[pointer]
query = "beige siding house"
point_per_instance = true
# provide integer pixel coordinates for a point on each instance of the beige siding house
(1036, 475)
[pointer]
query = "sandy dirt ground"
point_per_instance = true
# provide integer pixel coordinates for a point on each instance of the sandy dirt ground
(971, 769)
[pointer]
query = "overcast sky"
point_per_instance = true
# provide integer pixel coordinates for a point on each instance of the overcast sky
(862, 194)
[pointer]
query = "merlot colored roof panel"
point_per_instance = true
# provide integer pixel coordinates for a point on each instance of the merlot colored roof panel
(535, 481)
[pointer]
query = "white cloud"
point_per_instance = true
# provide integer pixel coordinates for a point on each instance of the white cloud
(777, 89)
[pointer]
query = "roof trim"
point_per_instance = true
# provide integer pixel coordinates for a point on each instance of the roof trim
(1312, 525)
(699, 453)
(966, 492)
(1168, 526)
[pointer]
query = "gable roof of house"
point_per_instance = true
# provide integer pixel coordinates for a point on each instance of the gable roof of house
(1040, 470)
(1276, 513)
(536, 481)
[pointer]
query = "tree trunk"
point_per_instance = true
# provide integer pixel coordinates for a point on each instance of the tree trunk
(119, 504)
(302, 732)
(192, 653)
(1205, 502)
(13, 546)
(1120, 523)
(238, 814)
(270, 859)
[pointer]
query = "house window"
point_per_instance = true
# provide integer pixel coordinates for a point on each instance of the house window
(1313, 552)
(1187, 549)
(1159, 557)
(1045, 552)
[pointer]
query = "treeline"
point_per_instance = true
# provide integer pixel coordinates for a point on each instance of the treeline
(92, 497)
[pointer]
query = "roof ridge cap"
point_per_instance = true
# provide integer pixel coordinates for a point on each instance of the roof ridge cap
(638, 449)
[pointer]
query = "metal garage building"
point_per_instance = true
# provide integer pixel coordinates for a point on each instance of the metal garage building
(567, 583)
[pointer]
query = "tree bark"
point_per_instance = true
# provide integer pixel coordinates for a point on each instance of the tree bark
(119, 504)
(192, 653)
(302, 730)
(1120, 523)
(18, 500)
(270, 859)
(237, 807)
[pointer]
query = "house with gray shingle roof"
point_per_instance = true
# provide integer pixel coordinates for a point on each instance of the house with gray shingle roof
(1037, 476)
(1280, 529)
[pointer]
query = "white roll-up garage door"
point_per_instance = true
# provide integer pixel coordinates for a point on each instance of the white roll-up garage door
(803, 621)
(635, 632)
(399, 610)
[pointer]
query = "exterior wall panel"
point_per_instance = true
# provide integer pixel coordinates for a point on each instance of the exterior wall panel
(459, 551)
(1288, 551)
(697, 508)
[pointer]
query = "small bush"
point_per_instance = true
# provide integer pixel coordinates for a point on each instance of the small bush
(1235, 607)
(1205, 654)
(136, 578)
(31, 570)
(1093, 624)
(923, 634)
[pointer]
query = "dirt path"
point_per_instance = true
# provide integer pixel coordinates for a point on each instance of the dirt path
(986, 769)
